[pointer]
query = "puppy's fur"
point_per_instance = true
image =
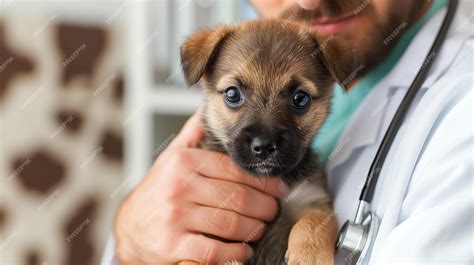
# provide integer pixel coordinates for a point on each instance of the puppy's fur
(268, 61)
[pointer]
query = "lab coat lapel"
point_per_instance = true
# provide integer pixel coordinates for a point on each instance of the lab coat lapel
(363, 128)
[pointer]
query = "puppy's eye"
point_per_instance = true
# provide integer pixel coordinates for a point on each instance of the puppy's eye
(300, 100)
(233, 97)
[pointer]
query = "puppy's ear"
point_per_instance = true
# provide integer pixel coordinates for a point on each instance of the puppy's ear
(340, 62)
(199, 50)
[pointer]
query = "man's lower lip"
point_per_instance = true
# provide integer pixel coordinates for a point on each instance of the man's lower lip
(331, 27)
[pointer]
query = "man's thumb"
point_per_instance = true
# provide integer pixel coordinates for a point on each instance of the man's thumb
(191, 134)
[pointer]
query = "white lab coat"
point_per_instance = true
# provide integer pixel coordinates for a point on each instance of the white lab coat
(425, 195)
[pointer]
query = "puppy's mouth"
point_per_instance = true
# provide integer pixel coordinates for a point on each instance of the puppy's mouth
(264, 152)
(264, 169)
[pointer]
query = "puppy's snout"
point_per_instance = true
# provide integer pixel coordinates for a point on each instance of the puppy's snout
(262, 147)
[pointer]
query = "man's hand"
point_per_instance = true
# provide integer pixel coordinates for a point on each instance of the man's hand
(308, 4)
(188, 193)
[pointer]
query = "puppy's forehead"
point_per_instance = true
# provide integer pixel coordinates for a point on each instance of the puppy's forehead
(268, 55)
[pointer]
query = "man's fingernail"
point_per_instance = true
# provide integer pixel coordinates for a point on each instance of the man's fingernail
(250, 252)
(283, 188)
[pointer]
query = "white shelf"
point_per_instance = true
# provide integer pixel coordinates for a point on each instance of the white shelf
(174, 101)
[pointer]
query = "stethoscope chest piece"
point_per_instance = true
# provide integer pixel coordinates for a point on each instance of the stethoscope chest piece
(352, 241)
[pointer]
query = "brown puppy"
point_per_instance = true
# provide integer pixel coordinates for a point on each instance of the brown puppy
(269, 85)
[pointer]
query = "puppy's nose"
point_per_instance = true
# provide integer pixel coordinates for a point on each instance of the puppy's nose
(262, 147)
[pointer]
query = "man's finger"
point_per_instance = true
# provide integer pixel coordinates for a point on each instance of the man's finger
(235, 197)
(205, 250)
(191, 134)
(308, 4)
(224, 224)
(219, 166)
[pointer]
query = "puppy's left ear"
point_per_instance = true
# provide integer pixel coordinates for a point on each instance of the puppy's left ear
(339, 60)
(199, 50)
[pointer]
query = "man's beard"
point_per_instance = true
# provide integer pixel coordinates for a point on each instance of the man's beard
(360, 54)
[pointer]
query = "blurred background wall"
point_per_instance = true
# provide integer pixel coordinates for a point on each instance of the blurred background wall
(90, 93)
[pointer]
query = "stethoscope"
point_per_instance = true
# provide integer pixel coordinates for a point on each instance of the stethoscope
(356, 237)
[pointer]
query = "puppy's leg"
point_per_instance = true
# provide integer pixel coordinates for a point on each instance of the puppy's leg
(270, 249)
(313, 238)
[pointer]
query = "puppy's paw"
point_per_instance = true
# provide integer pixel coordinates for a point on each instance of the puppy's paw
(303, 257)
(312, 239)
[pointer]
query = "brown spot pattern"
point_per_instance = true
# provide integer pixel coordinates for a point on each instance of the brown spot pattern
(3, 217)
(73, 119)
(81, 47)
(32, 258)
(78, 234)
(113, 146)
(41, 174)
(119, 90)
(12, 64)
